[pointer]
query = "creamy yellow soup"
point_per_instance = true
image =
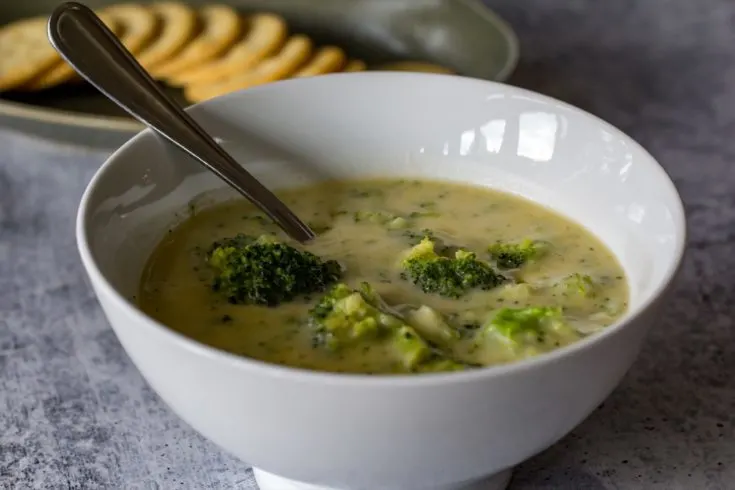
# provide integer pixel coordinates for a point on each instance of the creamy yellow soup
(176, 286)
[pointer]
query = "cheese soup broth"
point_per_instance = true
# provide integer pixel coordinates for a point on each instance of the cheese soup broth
(176, 284)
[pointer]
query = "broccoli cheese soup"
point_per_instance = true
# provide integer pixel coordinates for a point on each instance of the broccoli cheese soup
(405, 276)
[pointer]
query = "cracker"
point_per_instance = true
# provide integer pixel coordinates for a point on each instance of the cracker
(119, 24)
(266, 35)
(326, 60)
(416, 66)
(25, 52)
(355, 65)
(177, 27)
(138, 25)
(60, 73)
(221, 27)
(294, 54)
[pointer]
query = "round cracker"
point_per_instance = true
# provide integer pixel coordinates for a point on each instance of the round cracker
(266, 35)
(61, 72)
(138, 25)
(417, 66)
(355, 65)
(25, 52)
(178, 25)
(221, 27)
(294, 54)
(131, 28)
(327, 59)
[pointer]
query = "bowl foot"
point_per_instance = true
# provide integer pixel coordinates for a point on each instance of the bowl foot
(269, 481)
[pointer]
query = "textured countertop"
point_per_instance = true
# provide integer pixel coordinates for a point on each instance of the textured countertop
(74, 412)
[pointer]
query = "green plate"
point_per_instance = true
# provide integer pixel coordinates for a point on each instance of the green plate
(461, 34)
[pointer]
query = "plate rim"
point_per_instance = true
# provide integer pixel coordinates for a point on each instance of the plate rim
(120, 124)
(506, 30)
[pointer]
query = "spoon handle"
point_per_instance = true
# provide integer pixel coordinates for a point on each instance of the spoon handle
(94, 51)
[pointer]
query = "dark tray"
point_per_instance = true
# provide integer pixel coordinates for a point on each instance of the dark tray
(461, 34)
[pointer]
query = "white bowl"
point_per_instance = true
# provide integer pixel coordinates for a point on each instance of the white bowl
(443, 431)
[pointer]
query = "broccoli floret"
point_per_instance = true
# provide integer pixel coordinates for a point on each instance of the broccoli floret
(390, 220)
(450, 277)
(531, 330)
(413, 238)
(325, 306)
(266, 272)
(424, 250)
(515, 255)
(346, 317)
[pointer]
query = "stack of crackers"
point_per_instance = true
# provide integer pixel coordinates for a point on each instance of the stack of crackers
(206, 52)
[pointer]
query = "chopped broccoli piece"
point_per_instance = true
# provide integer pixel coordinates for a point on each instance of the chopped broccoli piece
(518, 292)
(398, 223)
(413, 238)
(531, 330)
(577, 285)
(424, 250)
(432, 325)
(265, 272)
(450, 277)
(345, 317)
(412, 348)
(513, 321)
(515, 255)
(373, 297)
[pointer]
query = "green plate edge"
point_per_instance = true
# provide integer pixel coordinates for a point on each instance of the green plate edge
(474, 41)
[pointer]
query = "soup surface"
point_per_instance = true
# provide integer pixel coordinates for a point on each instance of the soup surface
(572, 289)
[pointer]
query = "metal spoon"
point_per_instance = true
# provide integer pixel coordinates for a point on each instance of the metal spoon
(94, 51)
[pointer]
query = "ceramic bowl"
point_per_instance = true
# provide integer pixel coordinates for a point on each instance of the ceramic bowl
(438, 431)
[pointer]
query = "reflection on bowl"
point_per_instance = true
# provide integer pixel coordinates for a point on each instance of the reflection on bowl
(358, 432)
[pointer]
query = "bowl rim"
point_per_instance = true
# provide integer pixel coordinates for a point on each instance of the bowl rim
(262, 368)
(83, 120)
